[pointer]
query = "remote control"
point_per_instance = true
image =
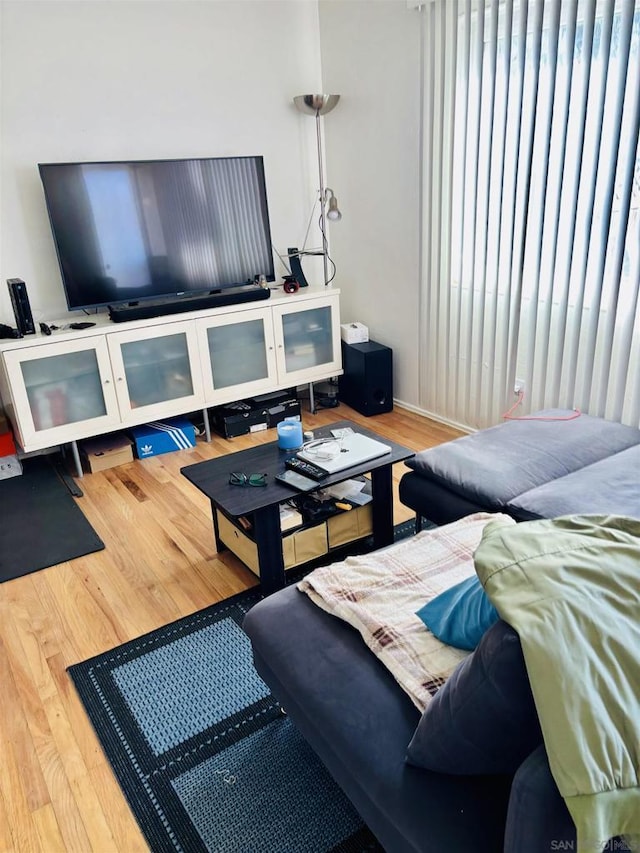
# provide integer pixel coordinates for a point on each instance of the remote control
(306, 468)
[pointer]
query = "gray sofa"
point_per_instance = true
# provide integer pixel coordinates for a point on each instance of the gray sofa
(352, 712)
(529, 469)
(360, 723)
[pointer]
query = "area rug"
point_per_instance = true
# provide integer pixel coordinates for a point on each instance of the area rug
(40, 523)
(201, 749)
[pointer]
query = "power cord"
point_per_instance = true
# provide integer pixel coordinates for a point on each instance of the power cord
(329, 258)
(508, 417)
(323, 448)
(304, 251)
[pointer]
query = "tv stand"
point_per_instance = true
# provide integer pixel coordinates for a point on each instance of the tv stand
(149, 370)
(181, 304)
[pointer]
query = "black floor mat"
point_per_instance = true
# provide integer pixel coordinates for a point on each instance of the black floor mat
(40, 523)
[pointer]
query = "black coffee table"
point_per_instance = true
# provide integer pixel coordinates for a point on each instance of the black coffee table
(212, 478)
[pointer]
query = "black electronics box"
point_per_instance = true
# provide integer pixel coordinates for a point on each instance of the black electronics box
(255, 414)
(367, 382)
(21, 306)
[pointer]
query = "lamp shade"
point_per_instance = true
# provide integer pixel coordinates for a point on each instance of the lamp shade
(334, 212)
(316, 104)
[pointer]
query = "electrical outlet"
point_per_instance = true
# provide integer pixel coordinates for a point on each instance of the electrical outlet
(518, 387)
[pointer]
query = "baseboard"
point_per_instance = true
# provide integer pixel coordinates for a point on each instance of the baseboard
(433, 416)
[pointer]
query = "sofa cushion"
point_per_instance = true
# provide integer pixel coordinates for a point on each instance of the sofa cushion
(609, 486)
(483, 720)
(495, 465)
(379, 593)
(460, 615)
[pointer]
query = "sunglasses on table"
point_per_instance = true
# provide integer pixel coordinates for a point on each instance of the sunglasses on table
(237, 479)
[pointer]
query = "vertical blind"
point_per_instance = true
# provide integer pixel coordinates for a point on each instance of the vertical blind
(531, 208)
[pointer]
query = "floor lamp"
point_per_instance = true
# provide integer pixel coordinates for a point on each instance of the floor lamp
(320, 105)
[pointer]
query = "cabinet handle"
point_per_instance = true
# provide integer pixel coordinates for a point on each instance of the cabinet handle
(107, 381)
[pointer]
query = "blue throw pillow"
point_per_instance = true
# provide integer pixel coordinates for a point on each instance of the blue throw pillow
(460, 615)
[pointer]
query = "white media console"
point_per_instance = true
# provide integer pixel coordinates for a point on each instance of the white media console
(75, 384)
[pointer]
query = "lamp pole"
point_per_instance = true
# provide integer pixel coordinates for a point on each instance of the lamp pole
(323, 218)
(319, 105)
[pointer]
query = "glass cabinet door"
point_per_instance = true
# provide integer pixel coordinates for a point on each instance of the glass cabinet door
(308, 341)
(153, 371)
(61, 388)
(241, 355)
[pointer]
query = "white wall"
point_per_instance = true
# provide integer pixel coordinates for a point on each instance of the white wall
(85, 80)
(95, 79)
(371, 57)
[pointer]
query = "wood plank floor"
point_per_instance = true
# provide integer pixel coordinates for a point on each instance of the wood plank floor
(57, 792)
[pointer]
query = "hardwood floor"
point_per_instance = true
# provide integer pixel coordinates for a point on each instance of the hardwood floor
(57, 791)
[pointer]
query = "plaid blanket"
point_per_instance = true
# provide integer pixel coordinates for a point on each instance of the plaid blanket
(379, 594)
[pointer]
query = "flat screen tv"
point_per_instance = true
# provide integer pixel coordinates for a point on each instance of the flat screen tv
(143, 230)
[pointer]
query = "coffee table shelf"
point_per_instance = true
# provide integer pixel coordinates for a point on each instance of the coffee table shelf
(303, 544)
(273, 550)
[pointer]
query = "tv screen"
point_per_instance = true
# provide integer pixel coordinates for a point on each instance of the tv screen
(131, 231)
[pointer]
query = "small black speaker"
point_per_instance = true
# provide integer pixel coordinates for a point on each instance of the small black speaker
(21, 307)
(367, 382)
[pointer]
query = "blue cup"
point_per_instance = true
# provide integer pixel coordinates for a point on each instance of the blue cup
(290, 434)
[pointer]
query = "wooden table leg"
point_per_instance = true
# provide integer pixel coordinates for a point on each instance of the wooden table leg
(220, 546)
(266, 530)
(382, 506)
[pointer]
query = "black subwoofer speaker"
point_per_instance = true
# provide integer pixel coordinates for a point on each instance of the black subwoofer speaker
(367, 382)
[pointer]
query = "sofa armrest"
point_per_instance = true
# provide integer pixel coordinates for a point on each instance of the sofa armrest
(537, 820)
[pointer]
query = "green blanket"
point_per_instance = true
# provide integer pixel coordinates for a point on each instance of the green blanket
(570, 587)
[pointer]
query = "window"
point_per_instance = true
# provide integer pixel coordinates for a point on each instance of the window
(531, 256)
